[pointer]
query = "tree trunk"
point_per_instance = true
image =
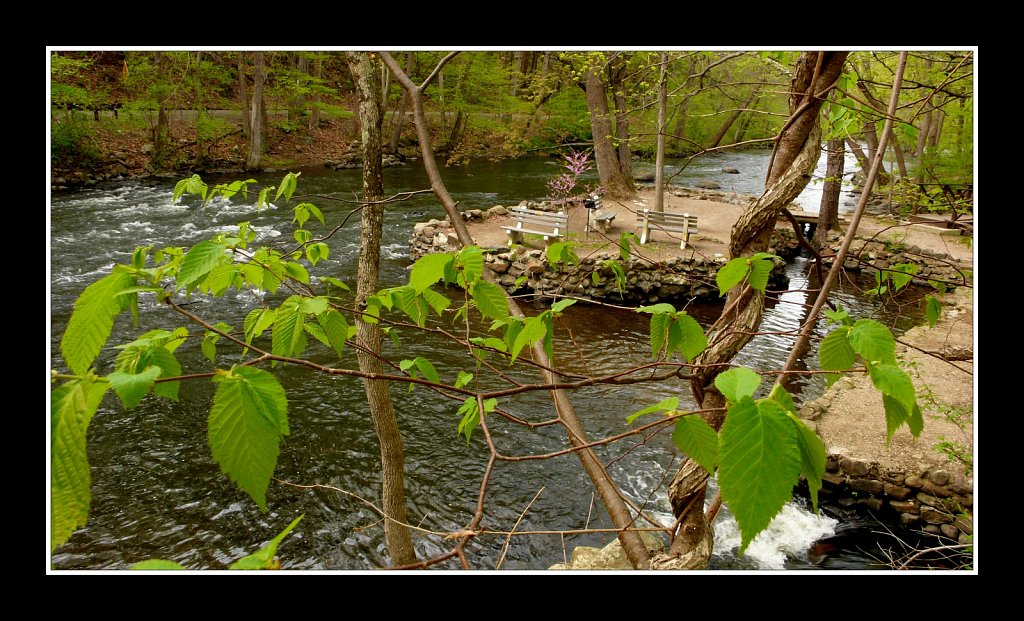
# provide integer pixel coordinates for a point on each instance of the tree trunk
(615, 185)
(162, 132)
(622, 125)
(243, 96)
(201, 116)
(297, 103)
(870, 135)
(366, 70)
(258, 116)
(619, 513)
(828, 212)
(659, 158)
(724, 129)
(396, 135)
(318, 73)
(678, 144)
(791, 166)
(935, 132)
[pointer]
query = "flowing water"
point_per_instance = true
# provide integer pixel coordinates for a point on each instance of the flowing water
(158, 494)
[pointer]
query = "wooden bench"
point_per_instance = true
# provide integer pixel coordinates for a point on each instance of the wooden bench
(674, 222)
(551, 225)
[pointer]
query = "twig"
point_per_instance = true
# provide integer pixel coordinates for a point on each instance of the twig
(508, 539)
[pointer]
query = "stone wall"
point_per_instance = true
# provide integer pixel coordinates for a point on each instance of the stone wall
(676, 278)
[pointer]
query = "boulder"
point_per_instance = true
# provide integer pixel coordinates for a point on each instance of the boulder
(708, 184)
(647, 176)
(731, 170)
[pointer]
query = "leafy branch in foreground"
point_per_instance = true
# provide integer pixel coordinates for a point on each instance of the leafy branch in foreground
(264, 558)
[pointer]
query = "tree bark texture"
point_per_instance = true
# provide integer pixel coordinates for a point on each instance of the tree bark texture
(257, 117)
(828, 212)
(396, 135)
(366, 72)
(659, 158)
(605, 154)
(243, 96)
(619, 513)
(318, 73)
(793, 163)
(621, 122)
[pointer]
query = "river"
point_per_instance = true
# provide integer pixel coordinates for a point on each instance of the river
(158, 494)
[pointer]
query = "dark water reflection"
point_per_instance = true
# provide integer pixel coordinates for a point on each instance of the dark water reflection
(157, 492)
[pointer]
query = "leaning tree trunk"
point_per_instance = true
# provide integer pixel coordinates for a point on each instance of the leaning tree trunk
(724, 129)
(257, 118)
(366, 70)
(619, 513)
(396, 136)
(793, 162)
(828, 212)
(608, 170)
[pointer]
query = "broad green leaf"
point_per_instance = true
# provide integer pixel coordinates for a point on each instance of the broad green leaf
(436, 301)
(781, 396)
(698, 440)
(492, 343)
(760, 270)
(657, 308)
(933, 310)
(490, 300)
(427, 369)
(839, 315)
(737, 383)
(335, 328)
(549, 334)
(296, 271)
(157, 564)
(261, 200)
(258, 320)
(666, 405)
(561, 305)
(902, 274)
(405, 300)
(209, 346)
(264, 558)
(92, 320)
(72, 406)
(464, 378)
(533, 331)
(144, 353)
(132, 387)
(893, 381)
(731, 274)
(471, 258)
(812, 457)
(554, 253)
(316, 332)
(835, 353)
(759, 462)
(693, 341)
(624, 247)
(512, 330)
(313, 306)
(202, 258)
(915, 422)
(219, 279)
(895, 416)
(427, 270)
(331, 280)
(249, 416)
(873, 341)
(169, 367)
(660, 323)
(470, 413)
(288, 338)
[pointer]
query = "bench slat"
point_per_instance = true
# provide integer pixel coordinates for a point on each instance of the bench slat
(555, 223)
(677, 223)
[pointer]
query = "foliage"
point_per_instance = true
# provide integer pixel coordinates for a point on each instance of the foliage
(72, 144)
(264, 558)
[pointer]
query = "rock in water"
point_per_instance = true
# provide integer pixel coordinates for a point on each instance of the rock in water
(708, 184)
(731, 170)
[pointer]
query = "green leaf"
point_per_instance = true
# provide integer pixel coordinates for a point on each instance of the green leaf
(464, 378)
(835, 352)
(202, 258)
(209, 346)
(427, 369)
(759, 462)
(287, 186)
(760, 270)
(893, 381)
(261, 200)
(915, 422)
(533, 331)
(72, 406)
(427, 270)
(933, 310)
(561, 305)
(667, 405)
(657, 309)
(313, 306)
(698, 440)
(296, 271)
(554, 253)
(471, 258)
(737, 383)
(692, 341)
(895, 416)
(288, 338)
(157, 564)
(490, 300)
(132, 387)
(92, 320)
(331, 280)
(659, 333)
(470, 413)
(731, 274)
(405, 300)
(249, 416)
(258, 320)
(781, 396)
(436, 301)
(839, 315)
(812, 457)
(873, 341)
(624, 247)
(902, 274)
(335, 328)
(264, 558)
(316, 332)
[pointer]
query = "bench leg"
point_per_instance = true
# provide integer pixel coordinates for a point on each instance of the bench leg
(645, 233)
(514, 237)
